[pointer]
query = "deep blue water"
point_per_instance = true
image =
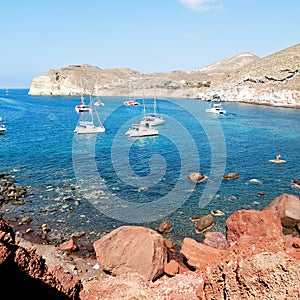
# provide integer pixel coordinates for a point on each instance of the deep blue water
(96, 183)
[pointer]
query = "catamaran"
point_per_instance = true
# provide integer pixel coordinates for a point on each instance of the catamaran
(141, 130)
(154, 119)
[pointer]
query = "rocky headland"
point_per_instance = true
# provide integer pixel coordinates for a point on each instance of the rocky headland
(257, 258)
(271, 80)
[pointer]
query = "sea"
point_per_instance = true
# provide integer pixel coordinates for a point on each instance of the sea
(88, 185)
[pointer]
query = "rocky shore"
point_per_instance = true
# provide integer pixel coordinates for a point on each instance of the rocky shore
(258, 257)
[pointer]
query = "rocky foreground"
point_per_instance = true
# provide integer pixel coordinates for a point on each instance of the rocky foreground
(253, 260)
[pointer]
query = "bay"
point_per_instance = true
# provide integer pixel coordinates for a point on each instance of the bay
(96, 183)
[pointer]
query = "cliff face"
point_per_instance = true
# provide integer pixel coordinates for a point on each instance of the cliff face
(272, 80)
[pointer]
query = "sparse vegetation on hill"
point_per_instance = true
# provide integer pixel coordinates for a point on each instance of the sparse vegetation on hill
(272, 80)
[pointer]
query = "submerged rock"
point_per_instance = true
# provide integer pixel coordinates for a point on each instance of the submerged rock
(197, 177)
(164, 226)
(204, 223)
(231, 176)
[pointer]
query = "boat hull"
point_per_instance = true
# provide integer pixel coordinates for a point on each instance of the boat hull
(89, 129)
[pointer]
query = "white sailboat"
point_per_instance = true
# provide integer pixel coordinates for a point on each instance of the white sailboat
(154, 119)
(141, 130)
(90, 122)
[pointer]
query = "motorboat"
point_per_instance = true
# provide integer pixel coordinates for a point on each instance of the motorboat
(140, 130)
(131, 103)
(216, 108)
(82, 107)
(2, 129)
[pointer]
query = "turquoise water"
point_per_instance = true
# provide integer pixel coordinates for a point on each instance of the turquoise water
(96, 183)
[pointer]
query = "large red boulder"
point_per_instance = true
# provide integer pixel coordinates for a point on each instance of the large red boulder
(199, 255)
(252, 226)
(287, 208)
(132, 249)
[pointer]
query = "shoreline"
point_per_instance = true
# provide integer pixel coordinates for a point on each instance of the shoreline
(263, 103)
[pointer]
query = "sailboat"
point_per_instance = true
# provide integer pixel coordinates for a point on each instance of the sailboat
(142, 129)
(88, 124)
(154, 119)
(82, 107)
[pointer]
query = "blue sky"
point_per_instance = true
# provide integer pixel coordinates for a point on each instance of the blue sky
(143, 35)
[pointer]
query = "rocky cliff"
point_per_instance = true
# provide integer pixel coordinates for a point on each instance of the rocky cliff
(272, 80)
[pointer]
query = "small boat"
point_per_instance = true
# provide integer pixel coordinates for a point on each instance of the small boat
(140, 130)
(131, 103)
(82, 107)
(85, 127)
(99, 103)
(87, 124)
(216, 108)
(2, 129)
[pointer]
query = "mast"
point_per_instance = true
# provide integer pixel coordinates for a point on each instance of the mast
(91, 109)
(155, 106)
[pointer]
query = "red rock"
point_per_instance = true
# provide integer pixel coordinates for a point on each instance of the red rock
(216, 240)
(4, 253)
(132, 249)
(172, 267)
(199, 255)
(164, 226)
(260, 226)
(29, 273)
(68, 246)
(260, 276)
(292, 246)
(287, 208)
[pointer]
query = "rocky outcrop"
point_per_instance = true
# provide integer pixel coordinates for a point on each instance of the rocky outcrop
(272, 80)
(266, 275)
(28, 273)
(287, 208)
(260, 263)
(253, 260)
(132, 249)
(249, 226)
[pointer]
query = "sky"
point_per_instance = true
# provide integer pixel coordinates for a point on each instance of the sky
(143, 35)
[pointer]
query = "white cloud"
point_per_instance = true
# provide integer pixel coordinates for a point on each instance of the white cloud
(202, 5)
